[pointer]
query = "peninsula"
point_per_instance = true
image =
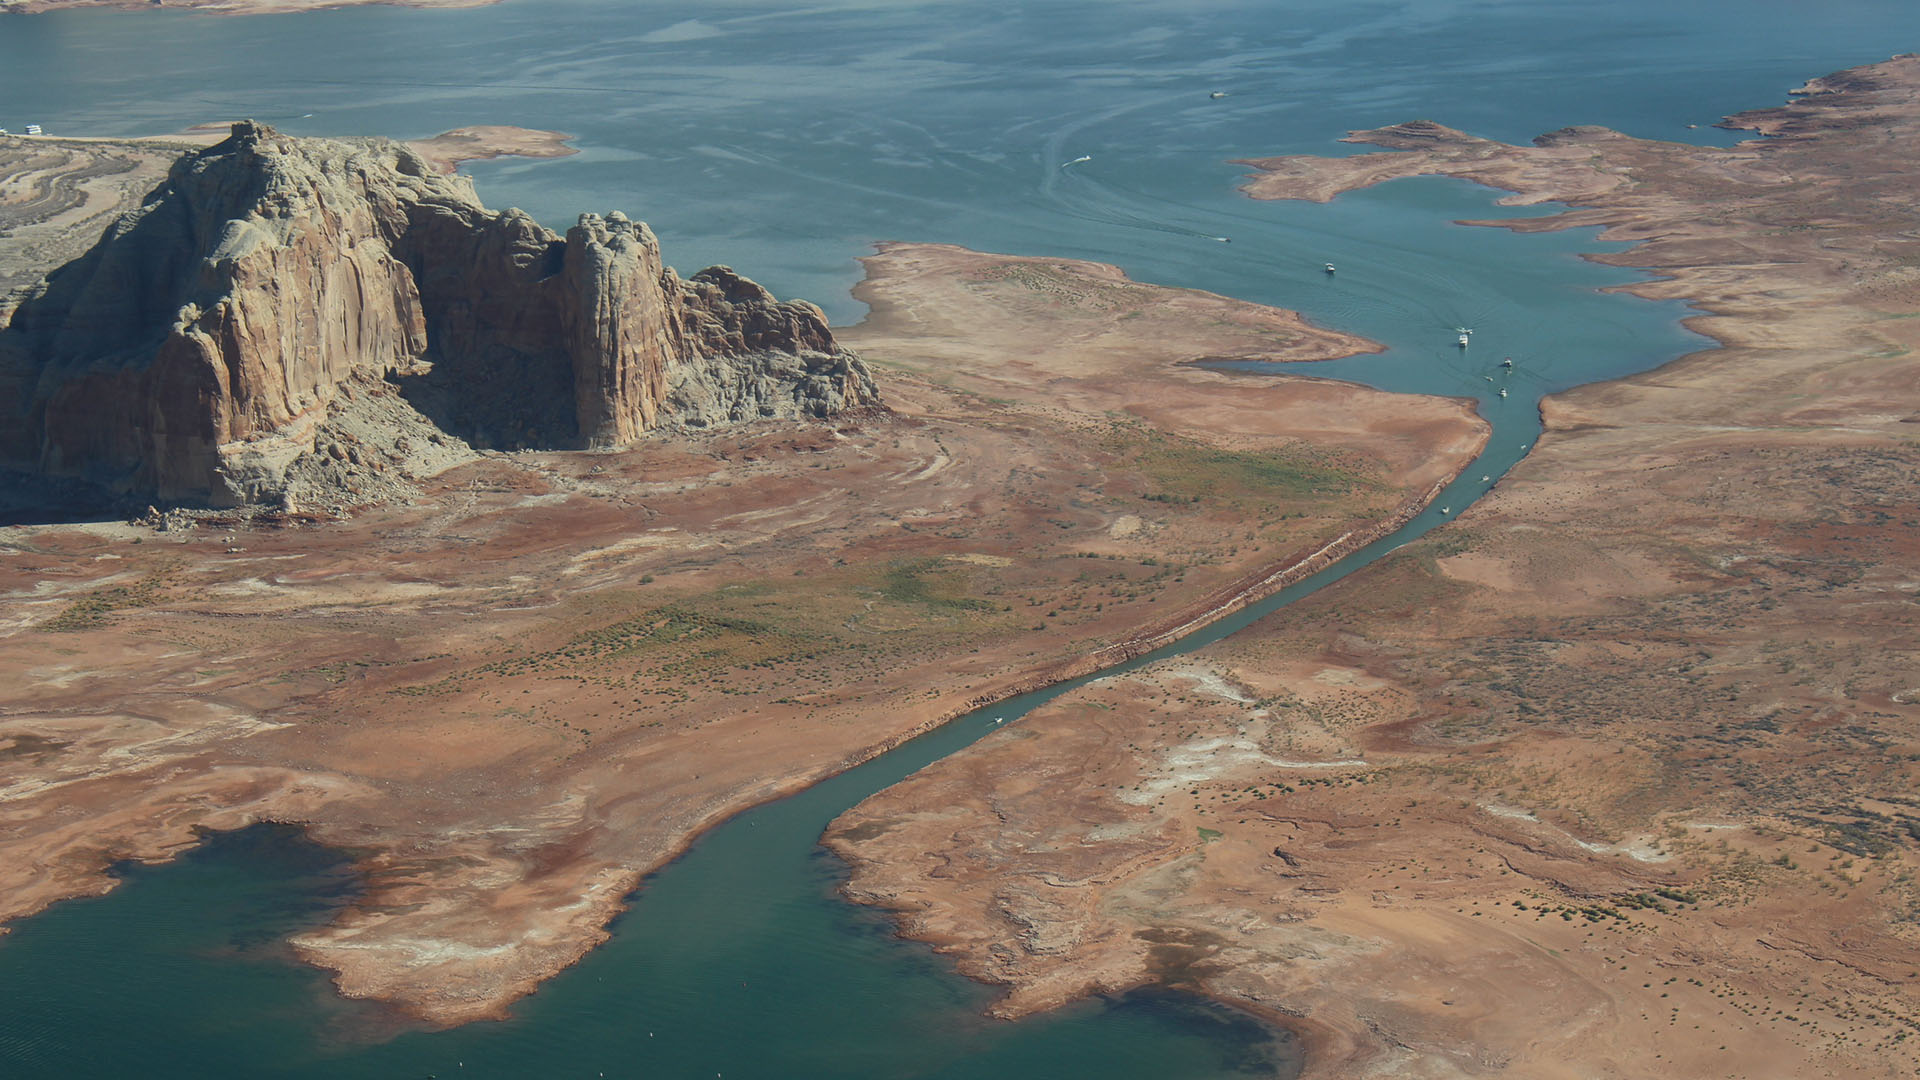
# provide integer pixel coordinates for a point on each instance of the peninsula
(530, 559)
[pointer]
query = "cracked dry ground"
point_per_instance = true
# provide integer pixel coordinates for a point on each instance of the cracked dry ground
(1613, 777)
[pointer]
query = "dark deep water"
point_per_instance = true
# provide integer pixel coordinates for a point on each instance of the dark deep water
(785, 141)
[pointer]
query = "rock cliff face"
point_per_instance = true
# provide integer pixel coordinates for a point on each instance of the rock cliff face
(193, 353)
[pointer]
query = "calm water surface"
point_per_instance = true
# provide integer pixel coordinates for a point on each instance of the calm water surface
(786, 141)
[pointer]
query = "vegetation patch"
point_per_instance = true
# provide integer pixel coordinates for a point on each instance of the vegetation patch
(931, 583)
(95, 609)
(792, 636)
(1181, 469)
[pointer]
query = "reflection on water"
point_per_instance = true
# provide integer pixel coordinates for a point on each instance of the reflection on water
(786, 141)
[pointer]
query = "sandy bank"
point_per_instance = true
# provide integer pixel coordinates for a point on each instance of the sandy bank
(451, 149)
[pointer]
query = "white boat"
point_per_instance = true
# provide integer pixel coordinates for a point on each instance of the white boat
(1217, 94)
(1506, 362)
(1503, 391)
(34, 129)
(1329, 268)
(1076, 161)
(1462, 341)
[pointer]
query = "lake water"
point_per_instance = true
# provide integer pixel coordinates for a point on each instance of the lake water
(786, 141)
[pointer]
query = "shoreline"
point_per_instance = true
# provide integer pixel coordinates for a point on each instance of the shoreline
(485, 142)
(1582, 211)
(1606, 518)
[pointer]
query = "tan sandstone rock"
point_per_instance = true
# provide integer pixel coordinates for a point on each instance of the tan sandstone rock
(196, 350)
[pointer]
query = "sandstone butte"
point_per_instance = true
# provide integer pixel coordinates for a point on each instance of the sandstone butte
(170, 359)
(514, 674)
(1613, 777)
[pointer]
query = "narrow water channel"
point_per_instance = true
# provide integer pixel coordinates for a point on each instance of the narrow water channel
(737, 960)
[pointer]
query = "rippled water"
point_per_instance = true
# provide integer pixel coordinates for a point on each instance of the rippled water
(786, 141)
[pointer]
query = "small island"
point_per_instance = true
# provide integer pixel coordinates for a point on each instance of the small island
(484, 142)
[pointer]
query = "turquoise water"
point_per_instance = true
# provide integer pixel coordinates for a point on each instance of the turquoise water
(786, 142)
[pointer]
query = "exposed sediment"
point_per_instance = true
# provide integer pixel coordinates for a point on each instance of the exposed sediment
(513, 695)
(483, 142)
(1611, 777)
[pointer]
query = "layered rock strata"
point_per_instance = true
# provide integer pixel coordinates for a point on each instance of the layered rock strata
(196, 349)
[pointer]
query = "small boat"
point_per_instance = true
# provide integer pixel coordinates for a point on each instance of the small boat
(1486, 479)
(1217, 94)
(34, 129)
(1503, 391)
(1077, 161)
(1329, 268)
(1446, 509)
(1462, 341)
(1224, 239)
(1506, 362)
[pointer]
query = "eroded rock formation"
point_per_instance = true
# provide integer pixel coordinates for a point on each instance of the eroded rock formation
(197, 348)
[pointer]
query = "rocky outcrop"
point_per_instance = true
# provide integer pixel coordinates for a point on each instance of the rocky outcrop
(756, 357)
(195, 351)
